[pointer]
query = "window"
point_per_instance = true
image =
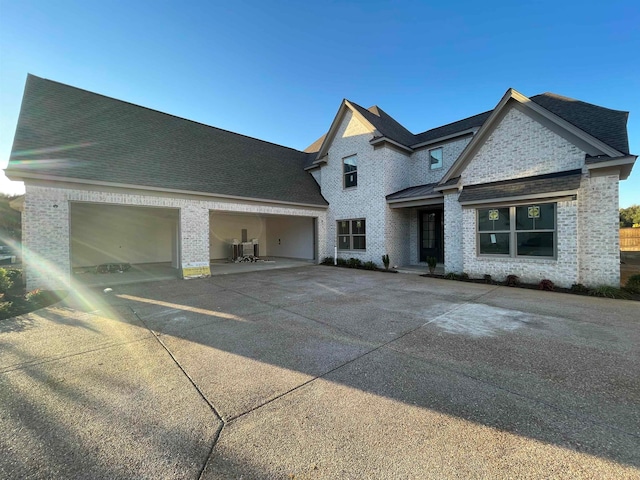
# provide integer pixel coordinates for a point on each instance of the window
(352, 235)
(350, 171)
(521, 231)
(435, 158)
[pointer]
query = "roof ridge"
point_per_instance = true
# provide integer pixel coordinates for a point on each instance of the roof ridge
(163, 113)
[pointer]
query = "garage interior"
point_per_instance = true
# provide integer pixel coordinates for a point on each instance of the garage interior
(145, 241)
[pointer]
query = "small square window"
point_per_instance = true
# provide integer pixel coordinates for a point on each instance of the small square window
(352, 234)
(435, 158)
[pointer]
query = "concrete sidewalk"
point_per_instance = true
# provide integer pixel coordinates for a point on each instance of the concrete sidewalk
(319, 372)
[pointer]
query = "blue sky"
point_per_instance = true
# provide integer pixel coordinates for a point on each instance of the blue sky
(278, 70)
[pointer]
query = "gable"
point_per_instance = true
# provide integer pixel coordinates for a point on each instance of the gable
(520, 146)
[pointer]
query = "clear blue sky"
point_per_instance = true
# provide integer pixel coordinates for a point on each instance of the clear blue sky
(278, 70)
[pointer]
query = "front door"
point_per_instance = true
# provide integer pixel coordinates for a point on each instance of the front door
(431, 235)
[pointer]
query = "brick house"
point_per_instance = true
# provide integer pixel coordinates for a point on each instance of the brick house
(529, 188)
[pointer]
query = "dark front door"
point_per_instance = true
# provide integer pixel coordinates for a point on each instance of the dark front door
(431, 235)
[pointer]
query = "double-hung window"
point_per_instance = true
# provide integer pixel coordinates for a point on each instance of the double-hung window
(350, 171)
(352, 234)
(518, 231)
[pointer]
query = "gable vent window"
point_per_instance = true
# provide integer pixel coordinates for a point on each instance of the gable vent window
(350, 171)
(435, 158)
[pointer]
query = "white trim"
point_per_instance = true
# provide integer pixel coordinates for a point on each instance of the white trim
(164, 190)
(626, 162)
(548, 197)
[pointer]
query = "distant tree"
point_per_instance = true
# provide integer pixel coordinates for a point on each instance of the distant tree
(10, 220)
(630, 216)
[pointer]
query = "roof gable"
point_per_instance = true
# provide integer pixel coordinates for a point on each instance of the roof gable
(68, 133)
(588, 141)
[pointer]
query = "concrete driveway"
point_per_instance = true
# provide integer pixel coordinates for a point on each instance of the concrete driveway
(319, 372)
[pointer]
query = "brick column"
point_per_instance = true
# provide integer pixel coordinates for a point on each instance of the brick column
(45, 239)
(194, 237)
(453, 233)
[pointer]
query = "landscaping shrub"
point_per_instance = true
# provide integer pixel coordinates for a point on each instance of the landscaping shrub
(488, 279)
(579, 288)
(5, 281)
(633, 283)
(547, 285)
(370, 266)
(451, 276)
(327, 261)
(609, 292)
(464, 276)
(512, 281)
(354, 263)
(431, 263)
(341, 262)
(385, 261)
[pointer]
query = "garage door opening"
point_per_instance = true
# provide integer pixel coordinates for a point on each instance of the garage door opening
(278, 240)
(123, 244)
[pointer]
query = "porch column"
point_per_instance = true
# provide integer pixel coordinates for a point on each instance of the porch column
(453, 233)
(194, 241)
(45, 238)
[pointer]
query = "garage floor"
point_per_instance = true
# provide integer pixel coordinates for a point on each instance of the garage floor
(153, 272)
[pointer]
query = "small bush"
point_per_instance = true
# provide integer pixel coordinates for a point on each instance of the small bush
(609, 292)
(547, 285)
(370, 266)
(431, 263)
(579, 288)
(354, 263)
(327, 261)
(633, 284)
(341, 262)
(512, 281)
(5, 281)
(487, 279)
(386, 261)
(464, 276)
(451, 276)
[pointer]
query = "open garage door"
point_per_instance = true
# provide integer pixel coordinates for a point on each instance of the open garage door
(277, 236)
(143, 240)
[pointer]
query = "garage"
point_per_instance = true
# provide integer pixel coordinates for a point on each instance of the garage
(276, 236)
(141, 242)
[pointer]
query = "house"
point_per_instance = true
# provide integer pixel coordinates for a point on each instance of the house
(529, 188)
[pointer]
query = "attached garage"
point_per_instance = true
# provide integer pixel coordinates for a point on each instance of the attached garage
(103, 234)
(276, 235)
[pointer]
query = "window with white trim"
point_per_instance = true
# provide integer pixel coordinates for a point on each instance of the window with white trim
(352, 234)
(435, 158)
(350, 171)
(518, 231)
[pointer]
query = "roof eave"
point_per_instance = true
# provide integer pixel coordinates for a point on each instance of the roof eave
(379, 140)
(444, 138)
(22, 176)
(623, 165)
(521, 198)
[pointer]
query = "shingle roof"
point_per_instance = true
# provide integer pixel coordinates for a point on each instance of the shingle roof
(415, 192)
(67, 132)
(609, 126)
(539, 184)
(460, 126)
(385, 124)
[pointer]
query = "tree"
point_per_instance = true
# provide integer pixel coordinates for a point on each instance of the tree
(10, 220)
(630, 216)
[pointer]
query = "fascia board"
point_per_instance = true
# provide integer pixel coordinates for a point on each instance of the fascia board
(26, 176)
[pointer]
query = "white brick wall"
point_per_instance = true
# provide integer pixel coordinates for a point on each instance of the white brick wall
(453, 234)
(420, 162)
(598, 231)
(46, 229)
(521, 147)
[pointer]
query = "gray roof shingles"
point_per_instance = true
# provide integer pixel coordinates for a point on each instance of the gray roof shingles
(539, 184)
(415, 192)
(68, 132)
